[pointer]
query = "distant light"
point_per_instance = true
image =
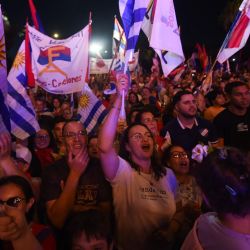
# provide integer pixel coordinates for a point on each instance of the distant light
(56, 35)
(233, 59)
(105, 51)
(5, 18)
(95, 48)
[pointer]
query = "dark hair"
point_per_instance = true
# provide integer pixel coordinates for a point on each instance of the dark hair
(224, 179)
(26, 188)
(69, 121)
(167, 153)
(135, 108)
(179, 94)
(231, 85)
(145, 109)
(91, 222)
(156, 166)
(211, 96)
(132, 93)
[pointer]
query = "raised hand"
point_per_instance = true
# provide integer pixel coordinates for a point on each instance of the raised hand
(79, 162)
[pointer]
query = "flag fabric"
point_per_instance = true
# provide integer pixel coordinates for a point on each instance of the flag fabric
(132, 13)
(160, 26)
(59, 66)
(35, 17)
(99, 66)
(119, 38)
(132, 64)
(22, 114)
(238, 34)
(91, 111)
(4, 113)
(202, 55)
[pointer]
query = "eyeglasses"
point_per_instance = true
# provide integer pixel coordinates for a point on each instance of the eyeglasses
(148, 120)
(139, 137)
(72, 135)
(12, 202)
(42, 137)
(178, 155)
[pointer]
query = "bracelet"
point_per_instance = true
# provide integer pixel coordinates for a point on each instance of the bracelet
(114, 107)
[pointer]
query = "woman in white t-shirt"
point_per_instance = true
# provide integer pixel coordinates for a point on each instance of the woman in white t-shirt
(143, 190)
(224, 178)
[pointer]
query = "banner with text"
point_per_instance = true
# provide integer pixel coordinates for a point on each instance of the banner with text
(59, 66)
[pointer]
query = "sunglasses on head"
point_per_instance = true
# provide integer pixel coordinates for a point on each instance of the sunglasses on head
(12, 202)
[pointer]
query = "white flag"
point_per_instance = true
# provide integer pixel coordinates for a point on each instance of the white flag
(163, 34)
(59, 66)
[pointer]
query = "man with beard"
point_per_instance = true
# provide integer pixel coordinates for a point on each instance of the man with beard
(233, 124)
(187, 129)
(76, 182)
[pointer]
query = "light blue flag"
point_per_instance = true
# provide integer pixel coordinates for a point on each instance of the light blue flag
(132, 13)
(4, 113)
(91, 111)
(22, 115)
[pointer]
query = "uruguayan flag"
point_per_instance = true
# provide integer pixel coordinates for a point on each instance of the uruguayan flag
(91, 111)
(4, 113)
(132, 13)
(22, 114)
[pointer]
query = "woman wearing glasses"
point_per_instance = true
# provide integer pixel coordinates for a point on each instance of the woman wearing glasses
(143, 190)
(176, 158)
(16, 213)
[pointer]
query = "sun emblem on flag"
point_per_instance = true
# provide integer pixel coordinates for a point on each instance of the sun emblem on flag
(84, 101)
(2, 52)
(19, 60)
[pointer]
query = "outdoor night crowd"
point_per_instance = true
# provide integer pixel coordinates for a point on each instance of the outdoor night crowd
(175, 174)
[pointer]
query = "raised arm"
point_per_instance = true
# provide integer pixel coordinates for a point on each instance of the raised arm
(7, 164)
(109, 157)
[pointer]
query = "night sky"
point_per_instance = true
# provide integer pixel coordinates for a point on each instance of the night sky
(198, 19)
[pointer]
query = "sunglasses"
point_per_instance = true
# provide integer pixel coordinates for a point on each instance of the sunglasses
(12, 202)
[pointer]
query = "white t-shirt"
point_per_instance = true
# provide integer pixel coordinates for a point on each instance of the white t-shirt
(213, 235)
(141, 204)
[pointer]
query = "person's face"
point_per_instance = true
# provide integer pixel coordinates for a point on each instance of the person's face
(240, 97)
(14, 195)
(219, 100)
(42, 139)
(201, 103)
(75, 137)
(140, 143)
(56, 103)
(93, 149)
(187, 106)
(145, 93)
(58, 131)
(134, 88)
(67, 114)
(82, 243)
(132, 98)
(179, 161)
(148, 119)
(39, 105)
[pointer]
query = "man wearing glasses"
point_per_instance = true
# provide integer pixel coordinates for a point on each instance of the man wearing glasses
(75, 182)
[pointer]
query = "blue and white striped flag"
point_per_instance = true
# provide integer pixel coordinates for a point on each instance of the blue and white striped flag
(4, 113)
(22, 114)
(91, 111)
(132, 13)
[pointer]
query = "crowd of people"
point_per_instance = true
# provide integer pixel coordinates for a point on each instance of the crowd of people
(134, 182)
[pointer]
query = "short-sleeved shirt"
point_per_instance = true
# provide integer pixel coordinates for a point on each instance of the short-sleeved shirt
(92, 186)
(202, 132)
(234, 129)
(213, 235)
(141, 203)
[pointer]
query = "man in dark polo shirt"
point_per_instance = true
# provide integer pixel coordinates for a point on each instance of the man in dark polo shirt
(75, 182)
(187, 129)
(233, 123)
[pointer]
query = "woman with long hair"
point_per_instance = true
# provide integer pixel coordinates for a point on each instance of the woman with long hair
(143, 190)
